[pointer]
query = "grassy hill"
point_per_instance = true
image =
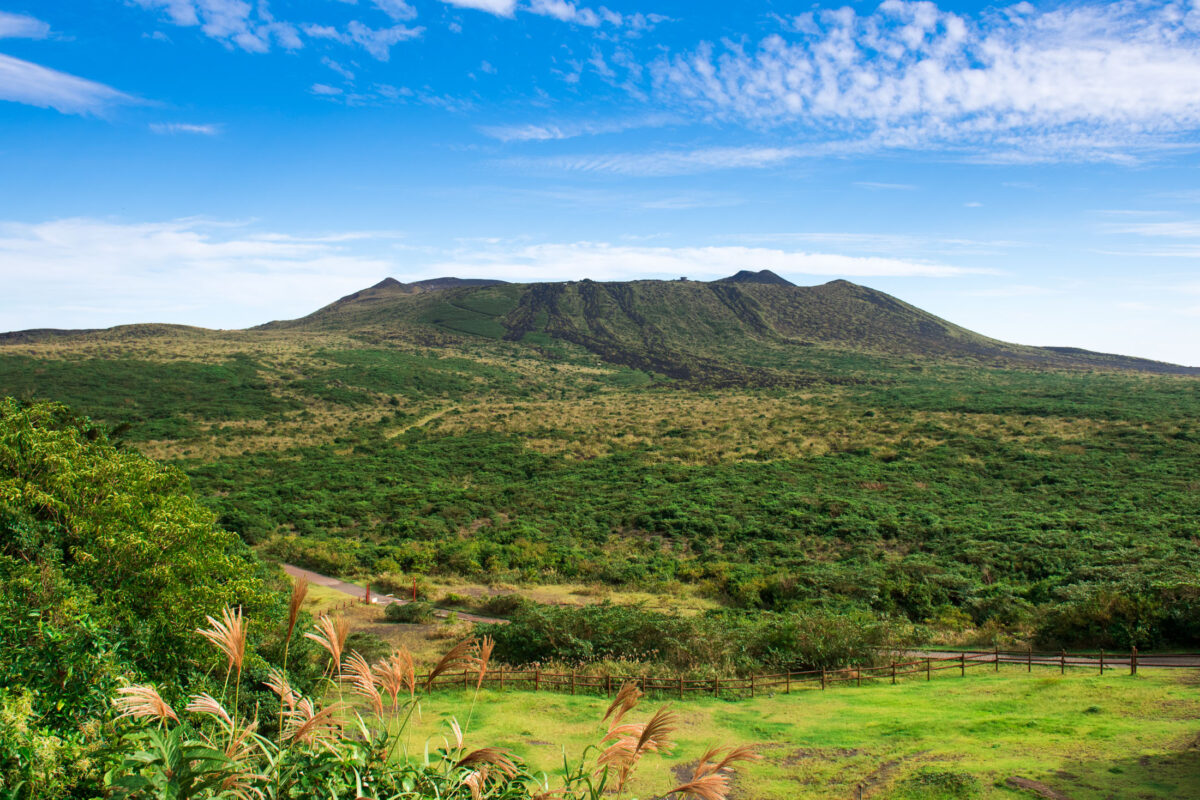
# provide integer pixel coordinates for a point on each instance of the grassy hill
(749, 328)
(767, 445)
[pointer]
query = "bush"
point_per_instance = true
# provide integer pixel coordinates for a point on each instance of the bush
(728, 641)
(501, 605)
(413, 613)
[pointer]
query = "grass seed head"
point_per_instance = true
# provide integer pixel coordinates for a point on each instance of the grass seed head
(462, 654)
(358, 672)
(299, 592)
(228, 635)
(331, 635)
(207, 704)
(626, 699)
(143, 702)
(491, 757)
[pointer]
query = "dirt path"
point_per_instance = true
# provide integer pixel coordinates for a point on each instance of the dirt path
(425, 420)
(354, 590)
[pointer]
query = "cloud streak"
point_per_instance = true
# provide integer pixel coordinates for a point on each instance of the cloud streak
(35, 85)
(83, 272)
(22, 26)
(605, 261)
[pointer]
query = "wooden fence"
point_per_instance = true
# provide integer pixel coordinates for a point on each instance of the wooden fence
(922, 668)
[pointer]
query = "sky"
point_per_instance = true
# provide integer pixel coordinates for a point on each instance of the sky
(1029, 171)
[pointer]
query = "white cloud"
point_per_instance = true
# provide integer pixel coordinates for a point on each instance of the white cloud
(396, 9)
(907, 187)
(31, 84)
(376, 41)
(604, 261)
(1175, 230)
(185, 271)
(185, 127)
(237, 23)
(324, 89)
(675, 162)
(338, 68)
(22, 26)
(550, 131)
(501, 8)
(1083, 81)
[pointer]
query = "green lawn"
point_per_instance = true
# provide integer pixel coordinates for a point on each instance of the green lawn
(1085, 736)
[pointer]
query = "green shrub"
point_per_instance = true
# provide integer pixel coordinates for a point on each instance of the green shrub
(412, 613)
(930, 784)
(728, 641)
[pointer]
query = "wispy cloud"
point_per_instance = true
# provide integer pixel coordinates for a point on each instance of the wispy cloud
(22, 26)
(605, 261)
(1189, 229)
(376, 41)
(565, 11)
(238, 23)
(35, 85)
(501, 8)
(888, 186)
(95, 273)
(668, 162)
(550, 131)
(1105, 81)
(210, 129)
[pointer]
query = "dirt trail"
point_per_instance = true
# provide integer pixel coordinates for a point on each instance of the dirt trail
(354, 590)
(425, 420)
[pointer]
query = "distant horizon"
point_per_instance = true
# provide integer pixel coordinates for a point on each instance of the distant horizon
(1029, 171)
(413, 281)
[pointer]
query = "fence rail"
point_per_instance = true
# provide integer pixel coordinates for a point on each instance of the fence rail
(922, 667)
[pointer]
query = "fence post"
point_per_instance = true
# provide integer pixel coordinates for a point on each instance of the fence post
(996, 655)
(1133, 661)
(466, 681)
(893, 673)
(822, 677)
(680, 687)
(1101, 660)
(928, 668)
(501, 671)
(572, 682)
(537, 678)
(752, 686)
(858, 677)
(608, 685)
(1029, 660)
(788, 685)
(1062, 662)
(962, 664)
(716, 687)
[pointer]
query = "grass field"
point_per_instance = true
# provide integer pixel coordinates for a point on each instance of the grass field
(1081, 735)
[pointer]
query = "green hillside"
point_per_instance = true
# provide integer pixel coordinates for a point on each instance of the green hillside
(768, 446)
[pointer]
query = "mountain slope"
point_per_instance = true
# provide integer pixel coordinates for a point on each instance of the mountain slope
(753, 328)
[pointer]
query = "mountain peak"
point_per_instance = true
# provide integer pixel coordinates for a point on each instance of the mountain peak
(762, 276)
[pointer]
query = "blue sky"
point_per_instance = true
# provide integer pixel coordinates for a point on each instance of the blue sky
(1028, 171)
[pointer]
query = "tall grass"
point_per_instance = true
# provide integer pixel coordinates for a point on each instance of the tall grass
(350, 747)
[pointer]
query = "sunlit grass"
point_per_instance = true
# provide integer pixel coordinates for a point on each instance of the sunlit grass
(1086, 736)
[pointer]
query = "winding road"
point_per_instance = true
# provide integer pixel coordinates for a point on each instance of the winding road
(356, 591)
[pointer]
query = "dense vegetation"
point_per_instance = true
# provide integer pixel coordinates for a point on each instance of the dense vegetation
(827, 450)
(716, 643)
(106, 564)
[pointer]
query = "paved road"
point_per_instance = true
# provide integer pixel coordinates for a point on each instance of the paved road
(356, 591)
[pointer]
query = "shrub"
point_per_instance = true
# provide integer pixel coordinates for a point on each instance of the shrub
(413, 613)
(724, 641)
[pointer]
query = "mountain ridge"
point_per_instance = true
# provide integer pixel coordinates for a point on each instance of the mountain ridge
(748, 328)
